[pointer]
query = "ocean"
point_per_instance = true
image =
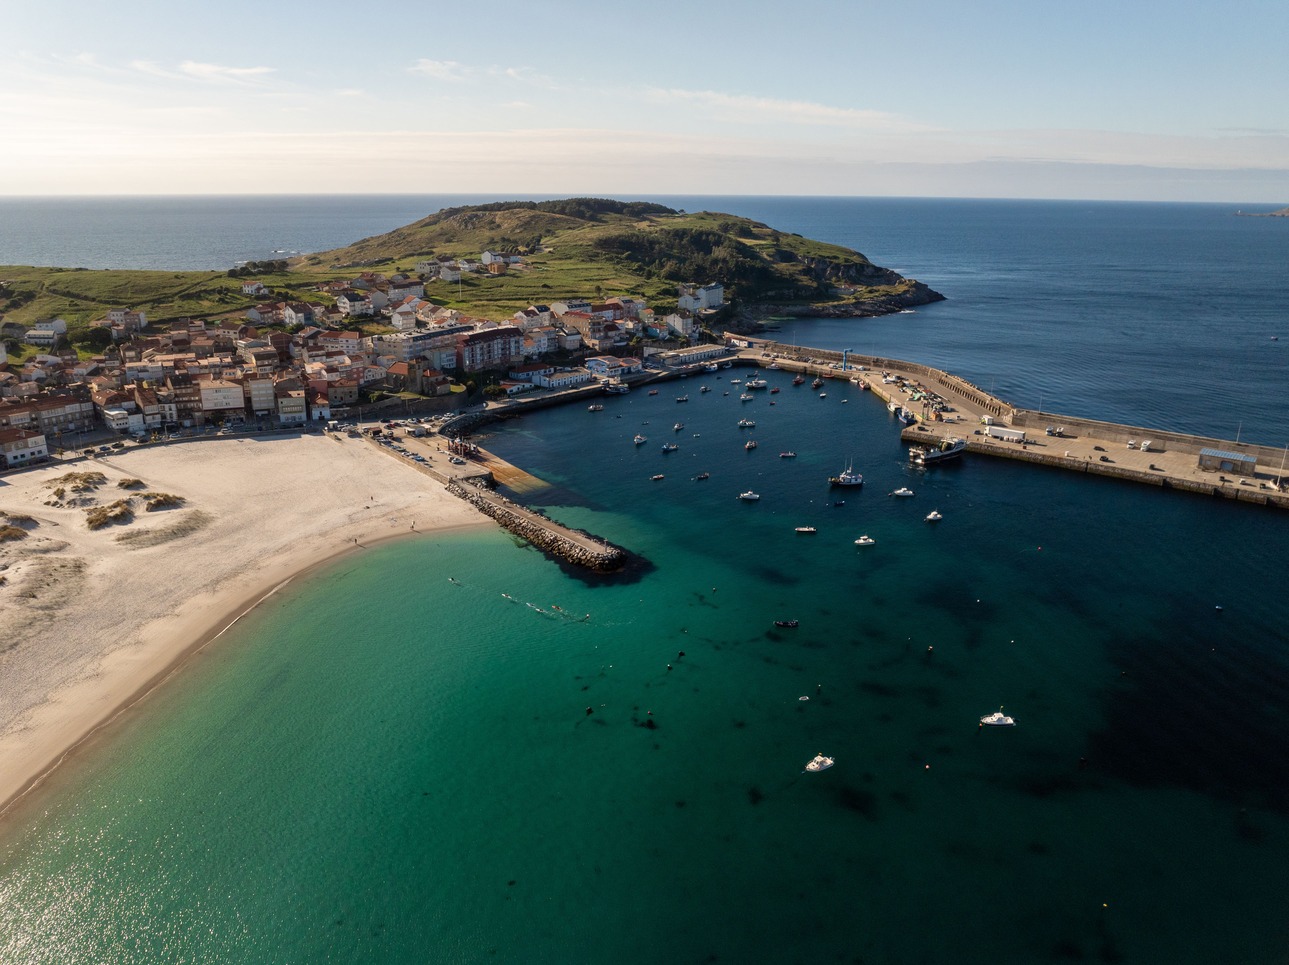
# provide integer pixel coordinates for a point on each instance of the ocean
(394, 762)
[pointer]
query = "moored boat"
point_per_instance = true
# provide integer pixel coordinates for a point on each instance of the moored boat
(669, 447)
(997, 719)
(847, 477)
(702, 475)
(653, 391)
(678, 426)
(746, 424)
(656, 477)
(865, 541)
(806, 529)
(746, 397)
(819, 763)
(788, 455)
(682, 398)
(799, 380)
(595, 407)
(929, 455)
(902, 491)
(617, 388)
(640, 440)
(756, 383)
(789, 624)
(934, 516)
(817, 383)
(750, 444)
(749, 496)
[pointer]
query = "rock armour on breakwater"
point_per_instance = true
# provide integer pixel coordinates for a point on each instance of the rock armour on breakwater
(580, 549)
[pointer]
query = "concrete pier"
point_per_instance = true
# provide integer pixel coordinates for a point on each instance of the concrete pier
(1085, 445)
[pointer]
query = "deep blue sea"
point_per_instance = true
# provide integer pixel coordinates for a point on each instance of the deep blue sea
(384, 765)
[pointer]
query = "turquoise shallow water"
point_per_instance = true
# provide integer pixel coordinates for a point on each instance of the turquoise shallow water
(385, 765)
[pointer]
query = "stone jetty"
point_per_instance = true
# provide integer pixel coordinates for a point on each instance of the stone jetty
(578, 548)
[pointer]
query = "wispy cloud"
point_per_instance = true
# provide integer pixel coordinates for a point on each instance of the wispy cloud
(209, 73)
(448, 70)
(749, 107)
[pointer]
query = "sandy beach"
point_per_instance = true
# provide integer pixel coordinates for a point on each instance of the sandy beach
(93, 619)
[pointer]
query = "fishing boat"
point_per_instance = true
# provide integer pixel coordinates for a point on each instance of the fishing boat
(905, 415)
(617, 388)
(997, 719)
(749, 496)
(806, 529)
(929, 455)
(657, 477)
(653, 391)
(892, 407)
(902, 491)
(788, 624)
(736, 381)
(799, 380)
(682, 398)
(774, 391)
(774, 366)
(669, 447)
(847, 477)
(595, 408)
(934, 516)
(817, 383)
(640, 440)
(746, 397)
(819, 763)
(756, 384)
(678, 426)
(750, 444)
(865, 541)
(788, 455)
(701, 476)
(746, 424)
(704, 388)
(710, 367)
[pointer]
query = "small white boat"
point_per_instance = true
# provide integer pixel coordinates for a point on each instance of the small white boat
(806, 529)
(640, 440)
(788, 455)
(736, 381)
(750, 444)
(657, 478)
(596, 407)
(865, 541)
(997, 719)
(902, 491)
(819, 763)
(749, 496)
(756, 383)
(934, 516)
(678, 426)
(682, 398)
(669, 447)
(746, 424)
(746, 397)
(823, 395)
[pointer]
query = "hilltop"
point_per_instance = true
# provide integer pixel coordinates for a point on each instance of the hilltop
(591, 245)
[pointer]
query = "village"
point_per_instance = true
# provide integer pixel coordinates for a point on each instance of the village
(294, 364)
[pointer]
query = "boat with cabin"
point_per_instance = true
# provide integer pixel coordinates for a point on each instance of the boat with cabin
(902, 491)
(799, 380)
(669, 447)
(640, 440)
(682, 398)
(657, 477)
(865, 541)
(817, 383)
(747, 423)
(789, 454)
(819, 763)
(934, 516)
(806, 529)
(595, 407)
(750, 444)
(701, 476)
(749, 496)
(755, 383)
(997, 719)
(944, 451)
(847, 477)
(788, 624)
(617, 388)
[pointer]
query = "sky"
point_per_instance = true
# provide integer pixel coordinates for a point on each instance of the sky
(1124, 100)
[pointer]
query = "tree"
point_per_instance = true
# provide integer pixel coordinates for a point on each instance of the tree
(96, 339)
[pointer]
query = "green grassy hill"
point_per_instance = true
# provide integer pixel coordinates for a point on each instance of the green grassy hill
(579, 247)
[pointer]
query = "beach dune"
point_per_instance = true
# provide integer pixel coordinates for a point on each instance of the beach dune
(91, 619)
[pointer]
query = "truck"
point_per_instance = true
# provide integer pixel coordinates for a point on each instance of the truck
(1005, 434)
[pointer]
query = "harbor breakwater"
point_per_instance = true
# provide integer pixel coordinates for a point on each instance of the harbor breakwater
(575, 547)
